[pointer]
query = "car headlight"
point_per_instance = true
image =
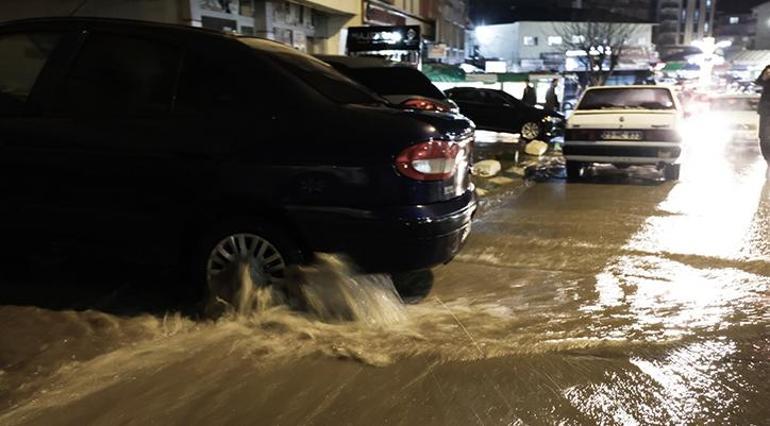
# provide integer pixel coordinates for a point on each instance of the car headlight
(554, 120)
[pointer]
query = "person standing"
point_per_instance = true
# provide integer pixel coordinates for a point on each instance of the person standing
(551, 99)
(530, 94)
(764, 113)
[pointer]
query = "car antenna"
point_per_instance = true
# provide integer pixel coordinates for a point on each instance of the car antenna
(78, 7)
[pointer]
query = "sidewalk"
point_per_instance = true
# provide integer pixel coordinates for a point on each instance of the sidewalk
(518, 171)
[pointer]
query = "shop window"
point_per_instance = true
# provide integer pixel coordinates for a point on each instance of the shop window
(24, 56)
(122, 76)
(735, 20)
(530, 41)
(554, 41)
(246, 8)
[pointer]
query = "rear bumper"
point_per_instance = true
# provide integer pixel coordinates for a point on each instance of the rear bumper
(393, 239)
(648, 152)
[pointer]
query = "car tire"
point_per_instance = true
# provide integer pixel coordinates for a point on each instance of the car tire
(575, 170)
(413, 286)
(671, 172)
(236, 247)
(531, 130)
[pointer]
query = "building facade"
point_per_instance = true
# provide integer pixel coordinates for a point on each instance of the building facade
(538, 45)
(683, 21)
(313, 26)
(442, 23)
(761, 14)
(740, 29)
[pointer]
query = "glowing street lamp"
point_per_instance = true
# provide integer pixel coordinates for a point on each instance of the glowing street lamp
(708, 58)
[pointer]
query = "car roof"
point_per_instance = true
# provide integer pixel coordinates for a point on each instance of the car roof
(473, 89)
(67, 21)
(176, 30)
(358, 61)
(630, 86)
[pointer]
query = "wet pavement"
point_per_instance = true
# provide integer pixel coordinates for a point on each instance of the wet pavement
(621, 299)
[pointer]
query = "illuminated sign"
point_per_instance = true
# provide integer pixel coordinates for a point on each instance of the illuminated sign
(371, 39)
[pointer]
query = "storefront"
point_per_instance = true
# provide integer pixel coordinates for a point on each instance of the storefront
(308, 26)
(396, 43)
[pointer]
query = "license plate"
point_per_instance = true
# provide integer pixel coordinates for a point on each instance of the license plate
(622, 135)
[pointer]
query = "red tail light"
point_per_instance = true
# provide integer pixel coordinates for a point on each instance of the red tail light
(435, 160)
(424, 104)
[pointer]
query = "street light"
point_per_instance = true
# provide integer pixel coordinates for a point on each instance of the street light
(708, 57)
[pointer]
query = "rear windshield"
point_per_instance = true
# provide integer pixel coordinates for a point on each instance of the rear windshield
(627, 98)
(317, 74)
(394, 81)
(735, 104)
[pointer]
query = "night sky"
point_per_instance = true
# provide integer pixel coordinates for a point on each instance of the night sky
(738, 6)
(488, 10)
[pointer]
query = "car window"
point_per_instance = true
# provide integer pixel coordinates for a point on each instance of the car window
(466, 95)
(211, 84)
(114, 74)
(395, 81)
(23, 57)
(510, 99)
(315, 73)
(494, 98)
(628, 98)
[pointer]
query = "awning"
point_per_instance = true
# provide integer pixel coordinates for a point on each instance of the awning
(751, 57)
(673, 66)
(443, 73)
(510, 77)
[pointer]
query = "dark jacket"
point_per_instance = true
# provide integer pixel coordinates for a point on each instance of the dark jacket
(764, 100)
(530, 95)
(551, 100)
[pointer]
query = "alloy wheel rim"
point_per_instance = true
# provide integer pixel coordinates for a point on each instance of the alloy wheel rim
(262, 258)
(530, 130)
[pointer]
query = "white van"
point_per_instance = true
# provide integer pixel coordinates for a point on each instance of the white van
(625, 125)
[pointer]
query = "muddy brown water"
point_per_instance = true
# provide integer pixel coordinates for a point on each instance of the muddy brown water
(618, 300)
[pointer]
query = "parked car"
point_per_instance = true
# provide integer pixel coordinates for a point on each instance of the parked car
(625, 125)
(499, 111)
(739, 114)
(401, 85)
(192, 146)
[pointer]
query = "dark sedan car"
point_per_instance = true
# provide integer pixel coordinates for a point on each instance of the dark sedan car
(185, 144)
(401, 85)
(498, 111)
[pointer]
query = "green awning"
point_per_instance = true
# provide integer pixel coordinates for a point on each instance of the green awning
(441, 73)
(511, 77)
(674, 66)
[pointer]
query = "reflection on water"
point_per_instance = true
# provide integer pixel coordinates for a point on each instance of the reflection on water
(575, 304)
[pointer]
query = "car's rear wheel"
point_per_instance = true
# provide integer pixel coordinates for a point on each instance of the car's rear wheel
(236, 258)
(575, 170)
(530, 130)
(671, 171)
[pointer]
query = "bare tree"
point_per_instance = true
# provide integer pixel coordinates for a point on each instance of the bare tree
(600, 44)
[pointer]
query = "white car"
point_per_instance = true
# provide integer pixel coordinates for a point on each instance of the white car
(739, 115)
(625, 125)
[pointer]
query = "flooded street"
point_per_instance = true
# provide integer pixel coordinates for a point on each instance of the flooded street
(621, 299)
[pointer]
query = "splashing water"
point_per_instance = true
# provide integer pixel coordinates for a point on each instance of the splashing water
(330, 289)
(333, 291)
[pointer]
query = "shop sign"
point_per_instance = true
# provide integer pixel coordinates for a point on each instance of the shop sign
(383, 16)
(225, 25)
(370, 39)
(437, 51)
